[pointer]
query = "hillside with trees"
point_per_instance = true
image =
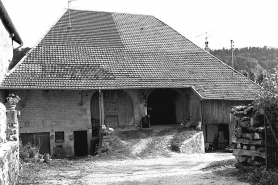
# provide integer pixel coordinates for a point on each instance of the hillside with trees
(252, 61)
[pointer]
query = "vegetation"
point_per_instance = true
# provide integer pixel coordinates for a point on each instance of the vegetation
(260, 176)
(29, 152)
(18, 54)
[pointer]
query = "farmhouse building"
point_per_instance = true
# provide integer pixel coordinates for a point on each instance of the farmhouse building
(8, 35)
(145, 71)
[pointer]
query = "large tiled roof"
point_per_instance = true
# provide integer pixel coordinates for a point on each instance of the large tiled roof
(123, 51)
(9, 24)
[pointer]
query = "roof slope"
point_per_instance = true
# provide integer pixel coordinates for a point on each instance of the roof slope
(121, 51)
(9, 24)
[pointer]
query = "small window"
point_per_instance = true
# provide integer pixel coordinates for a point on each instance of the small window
(59, 137)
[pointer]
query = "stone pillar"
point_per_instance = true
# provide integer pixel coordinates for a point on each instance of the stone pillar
(12, 133)
(9, 150)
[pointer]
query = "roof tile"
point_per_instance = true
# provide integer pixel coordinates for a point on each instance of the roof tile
(123, 51)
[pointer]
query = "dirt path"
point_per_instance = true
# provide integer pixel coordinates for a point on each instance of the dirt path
(136, 157)
(177, 169)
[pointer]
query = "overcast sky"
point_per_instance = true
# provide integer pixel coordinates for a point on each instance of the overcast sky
(247, 22)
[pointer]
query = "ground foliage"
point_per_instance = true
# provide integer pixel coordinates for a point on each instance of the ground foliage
(28, 152)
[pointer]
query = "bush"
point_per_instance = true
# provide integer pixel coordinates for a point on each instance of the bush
(28, 151)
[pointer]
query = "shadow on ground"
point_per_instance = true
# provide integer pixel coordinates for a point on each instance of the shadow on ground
(226, 168)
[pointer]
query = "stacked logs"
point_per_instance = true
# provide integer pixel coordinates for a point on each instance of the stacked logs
(249, 146)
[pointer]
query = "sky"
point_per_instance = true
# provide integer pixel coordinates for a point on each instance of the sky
(249, 23)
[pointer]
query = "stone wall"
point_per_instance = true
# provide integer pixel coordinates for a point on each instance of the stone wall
(194, 144)
(9, 162)
(61, 110)
(51, 111)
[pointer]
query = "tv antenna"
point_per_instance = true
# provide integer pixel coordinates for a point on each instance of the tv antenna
(69, 3)
(206, 37)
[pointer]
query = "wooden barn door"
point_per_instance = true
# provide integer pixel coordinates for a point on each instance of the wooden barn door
(40, 139)
(118, 108)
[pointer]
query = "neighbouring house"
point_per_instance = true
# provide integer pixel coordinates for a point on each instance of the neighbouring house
(8, 35)
(9, 150)
(145, 72)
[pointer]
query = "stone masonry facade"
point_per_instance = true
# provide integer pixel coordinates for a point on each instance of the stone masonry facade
(50, 111)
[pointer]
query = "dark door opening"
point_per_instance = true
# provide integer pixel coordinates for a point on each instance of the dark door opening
(223, 135)
(80, 143)
(161, 107)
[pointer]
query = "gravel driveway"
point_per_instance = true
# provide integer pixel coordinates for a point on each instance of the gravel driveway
(177, 169)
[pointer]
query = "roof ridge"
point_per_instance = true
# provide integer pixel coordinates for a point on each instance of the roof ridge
(179, 33)
(111, 12)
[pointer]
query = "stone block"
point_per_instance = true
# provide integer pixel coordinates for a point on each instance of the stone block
(194, 144)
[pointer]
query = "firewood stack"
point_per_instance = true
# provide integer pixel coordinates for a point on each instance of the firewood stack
(249, 146)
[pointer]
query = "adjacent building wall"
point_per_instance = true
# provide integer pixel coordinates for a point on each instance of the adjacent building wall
(9, 154)
(6, 49)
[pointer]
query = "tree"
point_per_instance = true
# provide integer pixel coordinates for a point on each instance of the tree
(18, 54)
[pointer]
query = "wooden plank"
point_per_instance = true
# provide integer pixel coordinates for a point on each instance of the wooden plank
(240, 152)
(255, 129)
(242, 158)
(249, 141)
(252, 135)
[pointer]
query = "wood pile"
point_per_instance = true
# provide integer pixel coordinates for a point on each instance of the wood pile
(249, 146)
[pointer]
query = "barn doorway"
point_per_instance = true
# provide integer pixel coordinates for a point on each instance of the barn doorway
(118, 109)
(223, 135)
(80, 143)
(164, 107)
